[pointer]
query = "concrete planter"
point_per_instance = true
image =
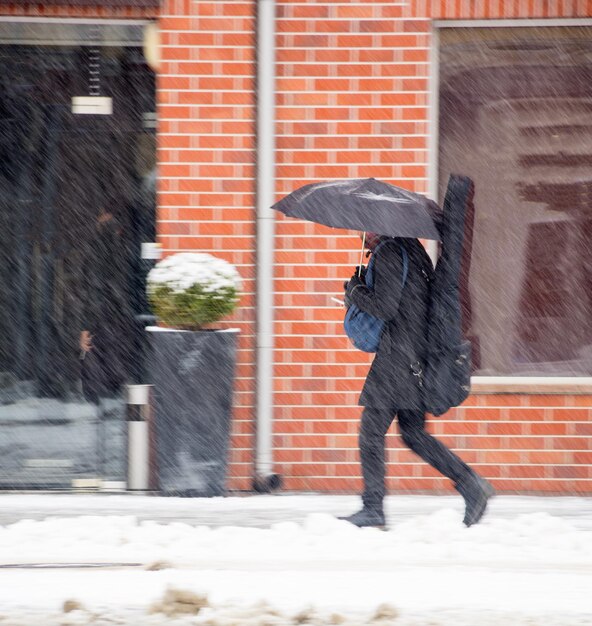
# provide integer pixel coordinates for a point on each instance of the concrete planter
(193, 374)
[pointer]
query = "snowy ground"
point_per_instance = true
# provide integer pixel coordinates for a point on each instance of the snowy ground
(267, 560)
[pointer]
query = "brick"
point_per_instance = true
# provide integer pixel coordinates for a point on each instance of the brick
(414, 113)
(310, 41)
(173, 112)
(527, 471)
(585, 458)
(286, 55)
(570, 443)
(580, 400)
(505, 457)
(376, 56)
(391, 11)
(174, 228)
(195, 39)
(376, 84)
(354, 41)
(397, 156)
(223, 24)
(288, 456)
(357, 11)
(174, 82)
(583, 429)
(377, 26)
(311, 99)
(375, 113)
(400, 99)
(420, 56)
(414, 84)
(548, 429)
(329, 456)
(334, 56)
(425, 471)
(291, 25)
(501, 399)
(481, 414)
(310, 11)
(416, 484)
(176, 54)
(524, 443)
(331, 84)
(354, 128)
(335, 428)
(311, 128)
(461, 428)
(550, 400)
(398, 128)
(237, 8)
(571, 471)
(333, 26)
(288, 427)
(416, 26)
(525, 415)
(216, 54)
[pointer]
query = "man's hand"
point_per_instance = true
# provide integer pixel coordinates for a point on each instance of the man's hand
(349, 286)
(85, 341)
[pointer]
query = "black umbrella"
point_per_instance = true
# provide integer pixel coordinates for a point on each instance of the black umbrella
(364, 204)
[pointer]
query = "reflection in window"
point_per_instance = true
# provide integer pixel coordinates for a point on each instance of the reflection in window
(515, 108)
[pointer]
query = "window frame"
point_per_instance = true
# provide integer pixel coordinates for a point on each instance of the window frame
(491, 384)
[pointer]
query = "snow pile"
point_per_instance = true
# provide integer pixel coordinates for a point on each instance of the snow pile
(530, 570)
(532, 540)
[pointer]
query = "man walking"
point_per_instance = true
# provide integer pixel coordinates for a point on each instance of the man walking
(392, 388)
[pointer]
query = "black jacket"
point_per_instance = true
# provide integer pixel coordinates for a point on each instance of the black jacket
(391, 382)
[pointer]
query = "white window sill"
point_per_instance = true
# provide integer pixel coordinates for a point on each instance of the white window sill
(531, 384)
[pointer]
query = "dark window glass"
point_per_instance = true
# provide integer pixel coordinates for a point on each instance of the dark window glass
(515, 116)
(77, 199)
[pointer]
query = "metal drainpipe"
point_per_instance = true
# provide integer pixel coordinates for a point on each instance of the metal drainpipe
(264, 479)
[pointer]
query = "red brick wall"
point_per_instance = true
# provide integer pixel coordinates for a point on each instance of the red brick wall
(39, 9)
(352, 96)
(352, 100)
(206, 165)
(522, 442)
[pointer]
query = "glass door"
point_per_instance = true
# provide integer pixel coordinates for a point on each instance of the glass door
(76, 202)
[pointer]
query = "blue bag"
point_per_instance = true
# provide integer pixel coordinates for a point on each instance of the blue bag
(364, 330)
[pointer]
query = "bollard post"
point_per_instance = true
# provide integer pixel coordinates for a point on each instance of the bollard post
(139, 435)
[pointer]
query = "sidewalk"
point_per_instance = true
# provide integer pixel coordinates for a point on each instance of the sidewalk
(284, 560)
(264, 510)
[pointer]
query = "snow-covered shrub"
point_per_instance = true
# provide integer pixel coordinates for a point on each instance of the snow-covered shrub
(190, 290)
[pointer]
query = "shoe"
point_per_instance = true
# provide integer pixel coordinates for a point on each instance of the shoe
(366, 518)
(476, 491)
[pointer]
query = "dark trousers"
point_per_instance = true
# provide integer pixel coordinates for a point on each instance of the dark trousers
(373, 428)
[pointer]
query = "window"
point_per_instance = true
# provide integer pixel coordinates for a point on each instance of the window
(515, 116)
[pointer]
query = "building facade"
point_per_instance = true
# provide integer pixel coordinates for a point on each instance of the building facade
(407, 91)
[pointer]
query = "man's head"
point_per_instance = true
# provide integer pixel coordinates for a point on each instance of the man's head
(372, 240)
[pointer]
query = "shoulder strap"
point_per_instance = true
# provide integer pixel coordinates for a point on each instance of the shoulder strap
(405, 265)
(404, 256)
(373, 256)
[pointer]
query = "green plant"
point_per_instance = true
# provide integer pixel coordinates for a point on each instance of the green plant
(190, 289)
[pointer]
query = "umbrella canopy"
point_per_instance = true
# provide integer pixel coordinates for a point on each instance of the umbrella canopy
(364, 204)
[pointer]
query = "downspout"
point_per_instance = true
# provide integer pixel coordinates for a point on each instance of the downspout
(433, 247)
(264, 479)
